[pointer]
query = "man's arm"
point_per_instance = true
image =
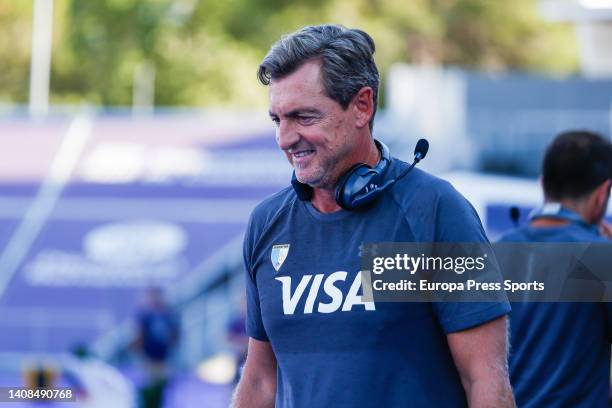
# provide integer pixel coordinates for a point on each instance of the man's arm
(481, 357)
(257, 387)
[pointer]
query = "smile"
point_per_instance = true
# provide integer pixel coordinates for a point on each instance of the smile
(303, 153)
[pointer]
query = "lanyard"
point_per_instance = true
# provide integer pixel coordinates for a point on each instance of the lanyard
(556, 210)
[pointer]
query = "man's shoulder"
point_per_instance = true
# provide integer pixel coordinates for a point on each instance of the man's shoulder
(569, 233)
(272, 207)
(421, 187)
(433, 208)
(516, 235)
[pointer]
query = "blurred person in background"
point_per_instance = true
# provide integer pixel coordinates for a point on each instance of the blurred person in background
(560, 352)
(320, 344)
(157, 336)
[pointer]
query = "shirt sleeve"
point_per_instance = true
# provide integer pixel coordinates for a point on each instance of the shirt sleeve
(457, 221)
(254, 322)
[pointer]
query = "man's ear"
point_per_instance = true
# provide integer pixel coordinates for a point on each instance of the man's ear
(363, 104)
(600, 198)
(603, 192)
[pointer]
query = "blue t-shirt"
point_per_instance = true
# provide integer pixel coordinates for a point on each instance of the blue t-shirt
(159, 330)
(560, 352)
(332, 349)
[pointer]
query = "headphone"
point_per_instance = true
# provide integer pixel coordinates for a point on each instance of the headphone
(361, 184)
(358, 187)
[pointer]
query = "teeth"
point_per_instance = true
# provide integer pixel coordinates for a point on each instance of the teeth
(303, 153)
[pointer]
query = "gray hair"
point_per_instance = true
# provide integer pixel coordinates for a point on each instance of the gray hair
(346, 55)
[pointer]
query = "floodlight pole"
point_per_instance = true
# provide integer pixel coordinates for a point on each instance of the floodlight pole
(40, 66)
(143, 91)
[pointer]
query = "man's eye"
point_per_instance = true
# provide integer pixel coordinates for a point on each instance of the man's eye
(276, 121)
(307, 120)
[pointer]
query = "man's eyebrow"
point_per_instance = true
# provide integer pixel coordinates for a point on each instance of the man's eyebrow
(297, 112)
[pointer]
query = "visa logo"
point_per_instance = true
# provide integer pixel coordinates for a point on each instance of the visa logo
(314, 284)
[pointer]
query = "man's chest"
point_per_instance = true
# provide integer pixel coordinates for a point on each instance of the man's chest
(311, 293)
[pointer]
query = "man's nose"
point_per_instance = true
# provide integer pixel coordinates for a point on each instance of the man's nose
(286, 135)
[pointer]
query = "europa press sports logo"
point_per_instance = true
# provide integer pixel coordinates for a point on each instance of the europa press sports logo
(314, 285)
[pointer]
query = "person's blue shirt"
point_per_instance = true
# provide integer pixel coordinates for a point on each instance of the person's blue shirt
(560, 352)
(159, 330)
(304, 297)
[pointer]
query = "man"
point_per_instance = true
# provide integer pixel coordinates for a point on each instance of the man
(313, 341)
(560, 352)
(156, 337)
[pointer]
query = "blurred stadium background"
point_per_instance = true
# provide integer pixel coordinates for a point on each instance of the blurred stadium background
(135, 141)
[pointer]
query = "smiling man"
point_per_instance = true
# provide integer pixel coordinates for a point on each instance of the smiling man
(314, 342)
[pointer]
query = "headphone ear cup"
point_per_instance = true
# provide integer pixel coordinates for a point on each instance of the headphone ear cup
(343, 196)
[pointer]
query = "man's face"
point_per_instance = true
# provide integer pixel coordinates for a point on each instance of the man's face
(312, 129)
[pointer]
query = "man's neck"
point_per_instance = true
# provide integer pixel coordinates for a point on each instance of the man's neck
(325, 200)
(579, 207)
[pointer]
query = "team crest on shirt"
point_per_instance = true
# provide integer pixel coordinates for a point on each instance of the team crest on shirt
(278, 255)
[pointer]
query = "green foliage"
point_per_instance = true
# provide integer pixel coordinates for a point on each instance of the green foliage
(206, 52)
(15, 40)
